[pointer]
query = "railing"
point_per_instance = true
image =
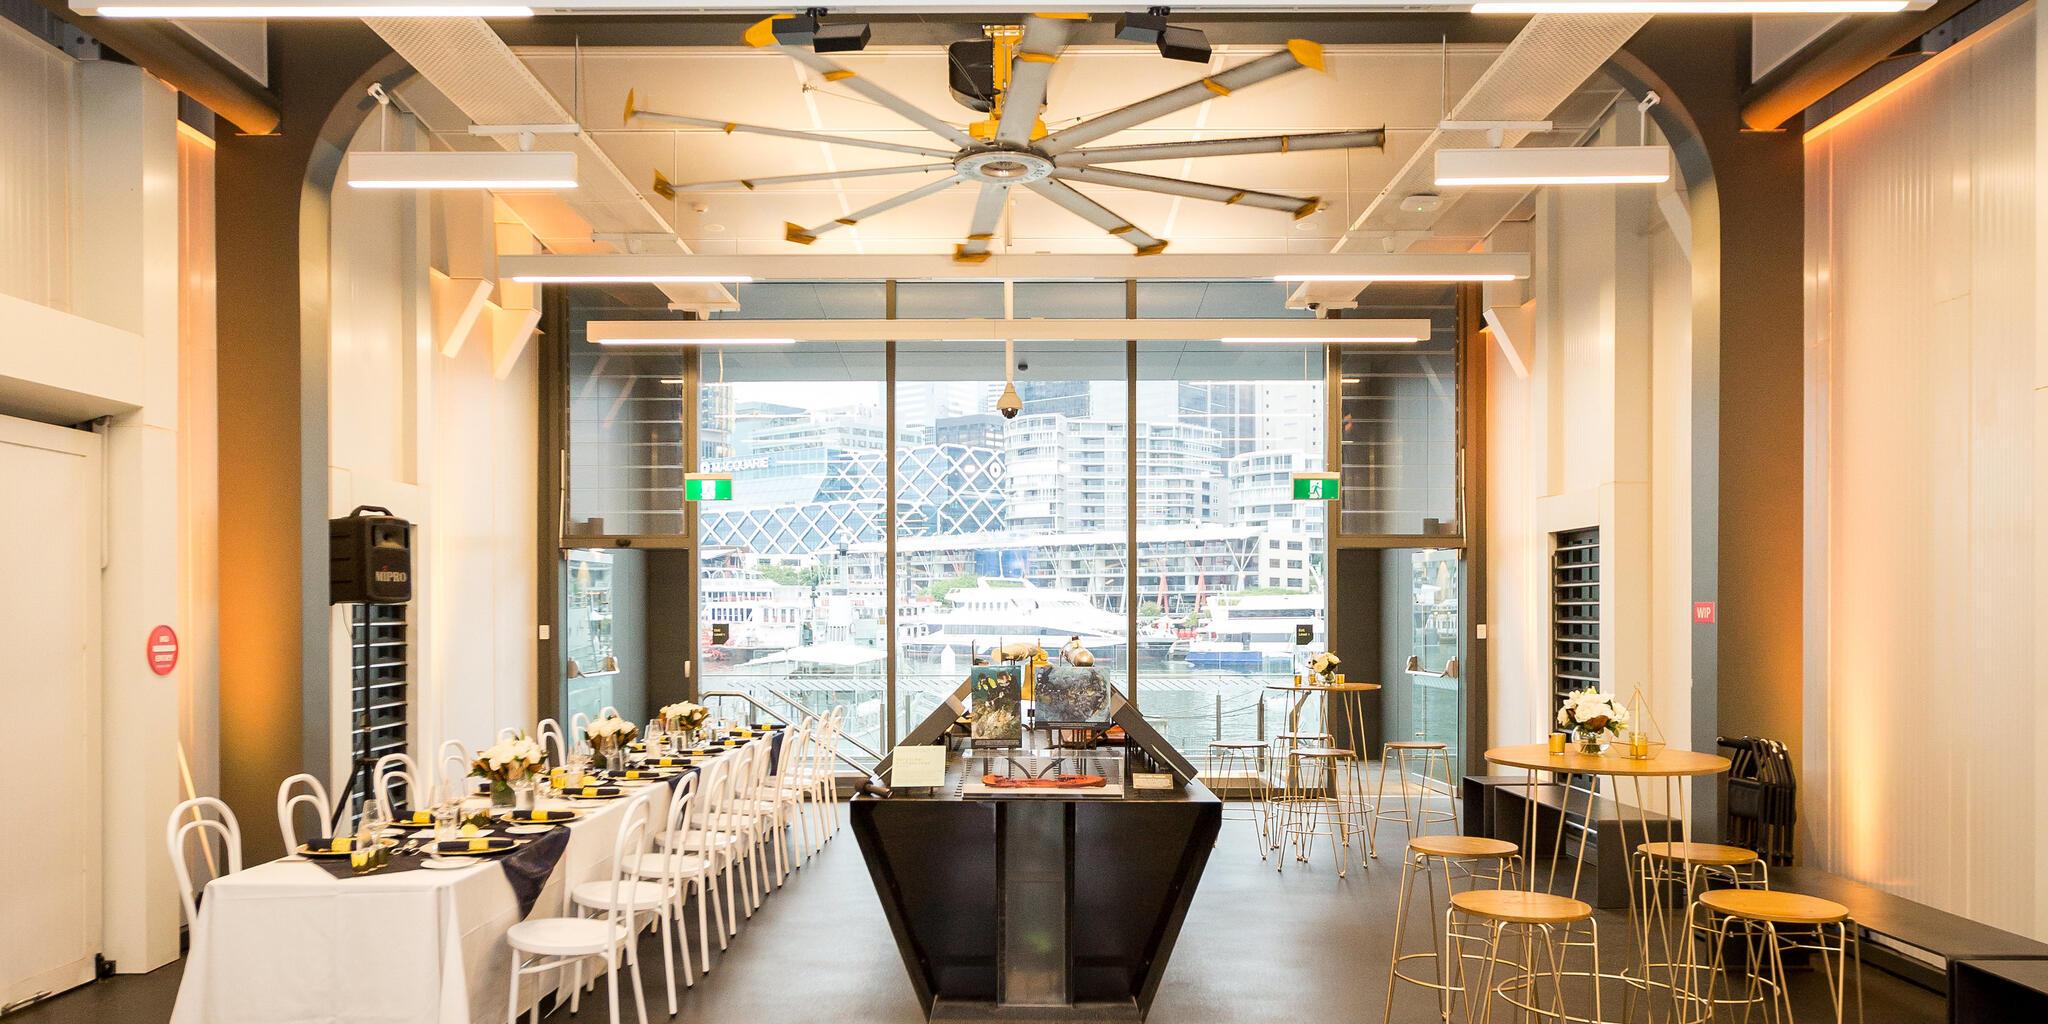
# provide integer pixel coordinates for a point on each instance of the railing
(710, 695)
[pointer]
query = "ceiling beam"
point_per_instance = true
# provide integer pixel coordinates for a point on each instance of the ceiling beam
(649, 268)
(680, 332)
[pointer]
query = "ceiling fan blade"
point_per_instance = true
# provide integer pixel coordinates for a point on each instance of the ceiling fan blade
(805, 236)
(832, 72)
(1300, 53)
(1368, 139)
(1097, 214)
(797, 179)
(981, 230)
(1039, 49)
(1296, 205)
(730, 127)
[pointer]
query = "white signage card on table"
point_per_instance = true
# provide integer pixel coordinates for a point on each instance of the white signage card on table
(918, 766)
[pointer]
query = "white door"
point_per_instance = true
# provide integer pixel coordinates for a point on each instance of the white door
(49, 707)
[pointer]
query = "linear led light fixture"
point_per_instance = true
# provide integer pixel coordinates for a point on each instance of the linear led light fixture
(287, 9)
(660, 333)
(539, 278)
(1444, 278)
(1689, 6)
(1371, 336)
(510, 170)
(1589, 165)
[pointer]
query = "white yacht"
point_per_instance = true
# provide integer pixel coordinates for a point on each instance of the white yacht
(1248, 633)
(998, 611)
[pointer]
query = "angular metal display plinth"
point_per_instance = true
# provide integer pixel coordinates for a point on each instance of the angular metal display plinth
(1040, 908)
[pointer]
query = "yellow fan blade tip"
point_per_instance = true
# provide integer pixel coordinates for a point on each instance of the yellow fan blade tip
(1306, 53)
(630, 111)
(1154, 249)
(796, 233)
(1063, 15)
(1216, 87)
(762, 33)
(1308, 208)
(961, 255)
(664, 187)
(838, 74)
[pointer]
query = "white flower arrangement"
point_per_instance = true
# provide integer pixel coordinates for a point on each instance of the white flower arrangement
(1324, 664)
(685, 715)
(1590, 712)
(509, 760)
(610, 733)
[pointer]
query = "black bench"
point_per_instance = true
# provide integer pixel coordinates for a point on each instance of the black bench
(1496, 806)
(1988, 971)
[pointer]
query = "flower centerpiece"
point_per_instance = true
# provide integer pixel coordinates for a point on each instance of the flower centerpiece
(1323, 665)
(1592, 718)
(685, 718)
(506, 764)
(608, 738)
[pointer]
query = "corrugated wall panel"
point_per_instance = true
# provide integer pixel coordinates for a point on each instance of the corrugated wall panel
(1921, 266)
(36, 105)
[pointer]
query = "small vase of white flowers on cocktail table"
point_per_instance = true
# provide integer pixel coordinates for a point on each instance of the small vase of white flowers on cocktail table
(1593, 718)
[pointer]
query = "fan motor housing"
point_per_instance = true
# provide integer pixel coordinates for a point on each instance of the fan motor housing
(1004, 166)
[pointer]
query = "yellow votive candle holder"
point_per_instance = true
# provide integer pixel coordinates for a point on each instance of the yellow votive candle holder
(1557, 743)
(1639, 745)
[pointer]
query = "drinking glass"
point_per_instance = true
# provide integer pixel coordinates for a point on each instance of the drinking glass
(447, 812)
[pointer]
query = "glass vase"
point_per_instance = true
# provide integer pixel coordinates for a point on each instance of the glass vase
(502, 798)
(1592, 742)
(522, 795)
(615, 759)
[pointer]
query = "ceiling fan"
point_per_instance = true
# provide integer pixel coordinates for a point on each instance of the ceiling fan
(1012, 148)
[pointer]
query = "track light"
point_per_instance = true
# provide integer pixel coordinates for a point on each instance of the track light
(809, 29)
(797, 29)
(1174, 42)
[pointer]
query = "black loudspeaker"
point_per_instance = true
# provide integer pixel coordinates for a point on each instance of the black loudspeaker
(971, 73)
(369, 558)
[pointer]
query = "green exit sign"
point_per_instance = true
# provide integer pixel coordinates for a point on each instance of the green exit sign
(707, 487)
(1315, 487)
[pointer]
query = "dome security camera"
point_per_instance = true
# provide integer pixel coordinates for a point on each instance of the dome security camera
(1010, 404)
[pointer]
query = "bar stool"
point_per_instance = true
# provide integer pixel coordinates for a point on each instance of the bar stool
(1281, 757)
(1413, 815)
(1658, 869)
(1447, 852)
(1313, 800)
(1246, 760)
(1762, 916)
(1537, 915)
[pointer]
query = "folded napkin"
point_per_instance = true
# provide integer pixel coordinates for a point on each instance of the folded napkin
(338, 844)
(538, 815)
(661, 762)
(415, 818)
(466, 846)
(598, 791)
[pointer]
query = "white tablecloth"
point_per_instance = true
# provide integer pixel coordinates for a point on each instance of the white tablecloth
(288, 943)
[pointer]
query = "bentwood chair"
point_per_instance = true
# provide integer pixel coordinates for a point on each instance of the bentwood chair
(579, 725)
(190, 817)
(547, 944)
(551, 740)
(402, 769)
(638, 894)
(288, 802)
(677, 873)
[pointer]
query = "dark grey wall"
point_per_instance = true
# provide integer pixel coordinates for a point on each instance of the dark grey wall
(1355, 636)
(671, 628)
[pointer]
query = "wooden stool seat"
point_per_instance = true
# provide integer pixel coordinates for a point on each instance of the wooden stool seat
(1462, 846)
(1699, 853)
(1301, 736)
(1414, 745)
(1319, 752)
(1237, 745)
(1518, 906)
(1774, 907)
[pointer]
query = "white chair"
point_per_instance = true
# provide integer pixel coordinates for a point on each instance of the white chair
(287, 802)
(658, 871)
(579, 726)
(608, 712)
(508, 733)
(187, 818)
(401, 768)
(708, 835)
(455, 761)
(783, 794)
(553, 742)
(547, 944)
(691, 874)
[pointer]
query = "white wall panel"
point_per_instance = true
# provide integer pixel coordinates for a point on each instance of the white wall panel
(1922, 695)
(37, 104)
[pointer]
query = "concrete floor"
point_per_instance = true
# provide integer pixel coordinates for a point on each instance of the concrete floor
(1259, 946)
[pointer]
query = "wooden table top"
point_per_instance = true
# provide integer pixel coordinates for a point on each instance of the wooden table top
(1669, 761)
(1323, 687)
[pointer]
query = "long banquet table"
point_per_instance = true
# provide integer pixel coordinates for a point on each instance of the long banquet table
(288, 943)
